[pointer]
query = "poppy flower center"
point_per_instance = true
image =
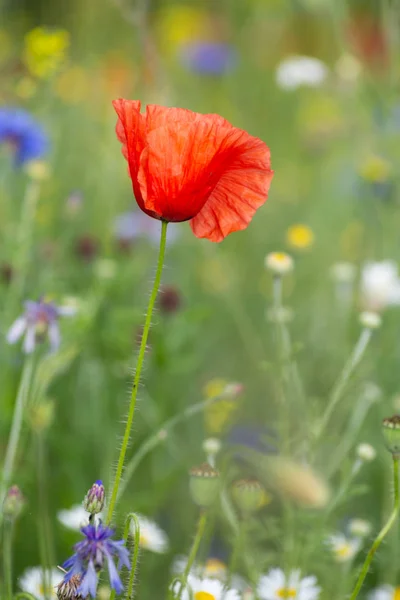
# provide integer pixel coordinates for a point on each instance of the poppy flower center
(203, 596)
(286, 593)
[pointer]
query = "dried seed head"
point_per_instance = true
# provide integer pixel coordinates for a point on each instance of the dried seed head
(391, 433)
(204, 485)
(249, 496)
(68, 590)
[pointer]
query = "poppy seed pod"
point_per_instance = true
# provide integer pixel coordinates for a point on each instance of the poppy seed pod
(391, 433)
(249, 496)
(204, 485)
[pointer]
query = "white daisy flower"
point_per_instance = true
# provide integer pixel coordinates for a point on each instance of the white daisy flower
(276, 585)
(213, 568)
(359, 527)
(207, 589)
(380, 285)
(152, 537)
(344, 548)
(297, 71)
(31, 581)
(74, 517)
(385, 592)
(365, 452)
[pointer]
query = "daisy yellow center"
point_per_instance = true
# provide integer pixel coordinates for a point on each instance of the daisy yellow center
(143, 540)
(45, 590)
(214, 566)
(345, 551)
(280, 257)
(396, 595)
(204, 596)
(286, 593)
(300, 236)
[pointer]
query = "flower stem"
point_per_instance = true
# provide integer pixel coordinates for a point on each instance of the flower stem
(16, 426)
(139, 365)
(383, 532)
(159, 436)
(201, 526)
(136, 545)
(340, 386)
(7, 558)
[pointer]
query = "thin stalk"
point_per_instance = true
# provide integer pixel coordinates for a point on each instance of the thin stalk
(383, 532)
(139, 365)
(341, 383)
(16, 426)
(160, 436)
(24, 596)
(136, 546)
(44, 526)
(201, 525)
(236, 552)
(7, 558)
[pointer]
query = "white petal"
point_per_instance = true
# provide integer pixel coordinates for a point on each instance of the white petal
(16, 330)
(30, 341)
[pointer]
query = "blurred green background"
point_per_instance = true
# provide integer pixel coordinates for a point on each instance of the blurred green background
(334, 148)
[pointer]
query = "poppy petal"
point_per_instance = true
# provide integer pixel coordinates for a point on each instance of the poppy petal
(180, 157)
(240, 191)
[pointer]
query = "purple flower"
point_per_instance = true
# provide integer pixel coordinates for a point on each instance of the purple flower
(39, 319)
(91, 555)
(134, 224)
(25, 134)
(209, 58)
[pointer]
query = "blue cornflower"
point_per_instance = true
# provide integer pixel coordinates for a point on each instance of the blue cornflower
(253, 436)
(209, 58)
(26, 135)
(39, 319)
(91, 555)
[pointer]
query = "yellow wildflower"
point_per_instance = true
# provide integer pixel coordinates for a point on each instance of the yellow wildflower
(218, 414)
(45, 50)
(179, 24)
(300, 236)
(375, 169)
(37, 170)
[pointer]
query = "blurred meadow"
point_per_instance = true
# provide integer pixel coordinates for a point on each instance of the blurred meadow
(273, 355)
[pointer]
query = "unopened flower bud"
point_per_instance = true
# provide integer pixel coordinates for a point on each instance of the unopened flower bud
(68, 590)
(204, 485)
(14, 503)
(391, 433)
(279, 263)
(370, 320)
(249, 496)
(366, 452)
(94, 499)
(212, 446)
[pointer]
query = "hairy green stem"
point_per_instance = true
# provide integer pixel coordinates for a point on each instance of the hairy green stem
(347, 372)
(160, 436)
(139, 365)
(7, 558)
(131, 517)
(383, 532)
(15, 431)
(201, 526)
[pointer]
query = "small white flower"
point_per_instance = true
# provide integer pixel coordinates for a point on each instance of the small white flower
(359, 527)
(211, 447)
(366, 452)
(380, 285)
(279, 263)
(208, 589)
(276, 585)
(152, 537)
(344, 548)
(74, 517)
(370, 320)
(213, 568)
(297, 71)
(385, 592)
(31, 581)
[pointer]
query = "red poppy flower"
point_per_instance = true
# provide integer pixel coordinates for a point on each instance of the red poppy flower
(187, 166)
